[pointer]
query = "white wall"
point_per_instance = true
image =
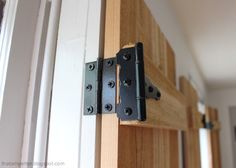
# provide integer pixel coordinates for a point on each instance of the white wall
(14, 100)
(222, 99)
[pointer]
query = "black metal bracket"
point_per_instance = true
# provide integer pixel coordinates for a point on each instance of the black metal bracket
(207, 124)
(125, 94)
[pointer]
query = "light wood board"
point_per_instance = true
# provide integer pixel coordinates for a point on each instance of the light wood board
(154, 143)
(191, 136)
(213, 137)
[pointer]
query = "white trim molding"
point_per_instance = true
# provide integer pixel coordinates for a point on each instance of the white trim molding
(41, 139)
(73, 137)
(5, 42)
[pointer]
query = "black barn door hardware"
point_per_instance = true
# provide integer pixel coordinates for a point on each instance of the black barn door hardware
(103, 96)
(207, 124)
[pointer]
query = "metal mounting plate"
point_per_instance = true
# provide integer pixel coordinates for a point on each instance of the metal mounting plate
(101, 82)
(151, 91)
(92, 90)
(132, 104)
(109, 86)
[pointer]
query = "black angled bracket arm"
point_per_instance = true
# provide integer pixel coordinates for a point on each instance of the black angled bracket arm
(207, 124)
(103, 85)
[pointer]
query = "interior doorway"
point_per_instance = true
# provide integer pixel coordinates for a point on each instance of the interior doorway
(232, 111)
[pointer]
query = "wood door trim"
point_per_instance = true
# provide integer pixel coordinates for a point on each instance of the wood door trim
(110, 123)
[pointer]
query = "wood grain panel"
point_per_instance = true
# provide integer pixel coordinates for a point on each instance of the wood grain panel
(148, 148)
(164, 149)
(214, 139)
(194, 116)
(170, 63)
(126, 146)
(170, 111)
(110, 123)
(191, 136)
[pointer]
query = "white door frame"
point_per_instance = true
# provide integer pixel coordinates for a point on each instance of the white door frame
(39, 91)
(5, 42)
(72, 136)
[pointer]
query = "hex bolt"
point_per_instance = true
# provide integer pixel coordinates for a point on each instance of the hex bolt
(150, 89)
(89, 87)
(108, 107)
(109, 63)
(127, 111)
(127, 56)
(91, 67)
(90, 109)
(111, 84)
(158, 95)
(127, 82)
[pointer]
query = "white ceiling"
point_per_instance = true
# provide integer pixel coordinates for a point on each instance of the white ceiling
(210, 29)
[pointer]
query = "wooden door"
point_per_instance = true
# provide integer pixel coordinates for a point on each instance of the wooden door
(191, 138)
(213, 137)
(153, 143)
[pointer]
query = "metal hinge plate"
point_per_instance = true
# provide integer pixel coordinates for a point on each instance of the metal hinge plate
(118, 85)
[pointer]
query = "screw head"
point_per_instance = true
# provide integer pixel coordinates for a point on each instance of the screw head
(91, 67)
(150, 89)
(90, 109)
(111, 84)
(158, 95)
(109, 63)
(89, 87)
(127, 111)
(108, 107)
(127, 82)
(127, 56)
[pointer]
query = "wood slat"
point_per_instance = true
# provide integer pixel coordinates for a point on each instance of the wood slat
(191, 136)
(170, 63)
(213, 136)
(126, 146)
(194, 116)
(110, 123)
(170, 111)
(148, 148)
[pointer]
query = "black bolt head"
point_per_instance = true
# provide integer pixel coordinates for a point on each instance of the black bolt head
(158, 95)
(108, 107)
(109, 63)
(90, 109)
(127, 82)
(150, 89)
(127, 111)
(91, 67)
(111, 84)
(127, 56)
(89, 87)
